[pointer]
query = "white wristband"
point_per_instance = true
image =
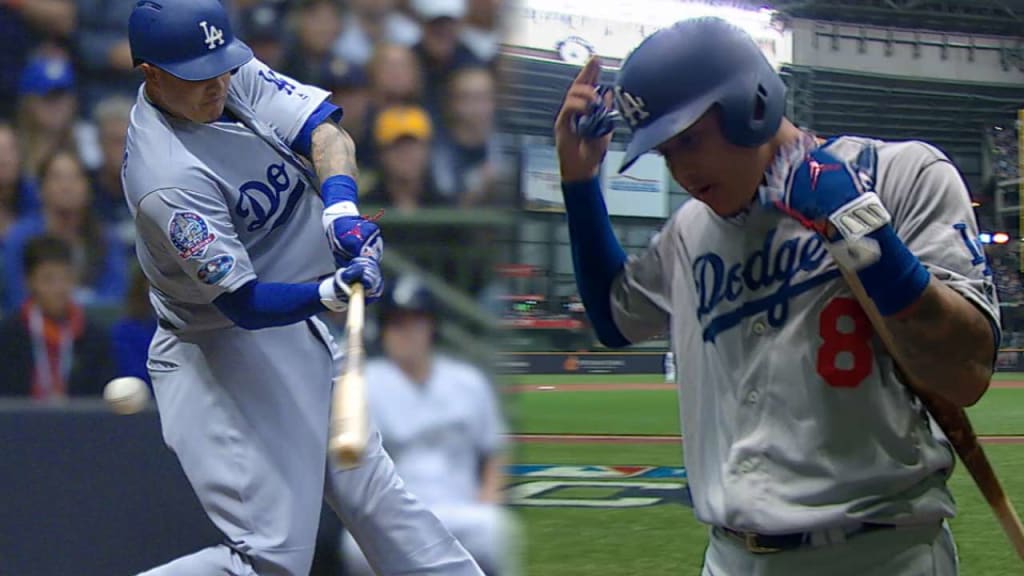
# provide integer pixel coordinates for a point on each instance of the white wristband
(860, 217)
(329, 296)
(335, 211)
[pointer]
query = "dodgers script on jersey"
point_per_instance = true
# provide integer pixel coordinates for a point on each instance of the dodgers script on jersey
(793, 416)
(216, 206)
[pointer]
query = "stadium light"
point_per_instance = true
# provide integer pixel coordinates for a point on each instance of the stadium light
(975, 203)
(1000, 237)
(985, 238)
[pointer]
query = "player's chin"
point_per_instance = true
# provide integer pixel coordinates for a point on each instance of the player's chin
(211, 111)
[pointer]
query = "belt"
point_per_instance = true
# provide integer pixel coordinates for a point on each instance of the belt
(772, 543)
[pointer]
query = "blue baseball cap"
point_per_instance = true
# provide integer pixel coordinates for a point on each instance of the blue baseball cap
(45, 74)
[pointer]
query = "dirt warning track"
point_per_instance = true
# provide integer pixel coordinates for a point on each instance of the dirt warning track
(618, 386)
(637, 439)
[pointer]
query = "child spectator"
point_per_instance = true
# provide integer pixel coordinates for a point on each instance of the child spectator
(51, 349)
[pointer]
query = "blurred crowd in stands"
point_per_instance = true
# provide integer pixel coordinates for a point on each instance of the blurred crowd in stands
(416, 79)
(1004, 153)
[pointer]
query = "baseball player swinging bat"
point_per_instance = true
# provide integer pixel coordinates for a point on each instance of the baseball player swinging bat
(348, 402)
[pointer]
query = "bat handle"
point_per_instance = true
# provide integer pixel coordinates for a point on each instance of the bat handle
(349, 428)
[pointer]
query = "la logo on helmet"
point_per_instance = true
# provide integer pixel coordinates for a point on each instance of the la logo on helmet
(631, 107)
(214, 35)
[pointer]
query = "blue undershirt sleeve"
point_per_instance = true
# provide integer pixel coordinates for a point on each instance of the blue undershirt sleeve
(264, 304)
(303, 142)
(597, 257)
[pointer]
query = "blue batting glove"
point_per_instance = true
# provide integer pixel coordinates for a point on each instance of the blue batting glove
(353, 237)
(599, 120)
(825, 190)
(823, 185)
(335, 290)
(365, 270)
(838, 200)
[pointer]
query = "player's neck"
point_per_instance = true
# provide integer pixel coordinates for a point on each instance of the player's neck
(158, 103)
(418, 370)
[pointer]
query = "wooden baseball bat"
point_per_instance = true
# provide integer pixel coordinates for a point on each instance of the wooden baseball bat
(349, 426)
(953, 421)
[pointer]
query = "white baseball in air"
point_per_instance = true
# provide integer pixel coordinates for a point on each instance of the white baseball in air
(126, 395)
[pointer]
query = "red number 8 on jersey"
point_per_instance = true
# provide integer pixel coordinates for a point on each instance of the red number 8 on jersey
(845, 357)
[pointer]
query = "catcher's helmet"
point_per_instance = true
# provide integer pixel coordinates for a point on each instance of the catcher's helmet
(190, 39)
(406, 294)
(678, 73)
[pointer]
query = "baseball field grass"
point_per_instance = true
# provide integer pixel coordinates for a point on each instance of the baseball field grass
(598, 478)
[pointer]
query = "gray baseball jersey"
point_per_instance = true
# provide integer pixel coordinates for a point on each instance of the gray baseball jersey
(246, 411)
(216, 206)
(792, 413)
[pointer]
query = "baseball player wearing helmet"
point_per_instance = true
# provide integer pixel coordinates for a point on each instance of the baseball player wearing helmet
(230, 171)
(805, 453)
(442, 424)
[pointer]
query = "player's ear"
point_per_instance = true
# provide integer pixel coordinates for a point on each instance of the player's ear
(149, 73)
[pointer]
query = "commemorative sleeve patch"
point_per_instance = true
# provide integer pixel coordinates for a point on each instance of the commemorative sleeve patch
(215, 269)
(189, 234)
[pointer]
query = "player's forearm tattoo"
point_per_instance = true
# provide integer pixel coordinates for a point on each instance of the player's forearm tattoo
(334, 152)
(946, 343)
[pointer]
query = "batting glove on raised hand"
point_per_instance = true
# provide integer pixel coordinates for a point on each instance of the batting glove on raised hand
(354, 236)
(834, 197)
(334, 291)
(599, 119)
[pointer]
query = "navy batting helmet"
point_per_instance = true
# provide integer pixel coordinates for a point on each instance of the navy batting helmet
(678, 73)
(407, 294)
(190, 39)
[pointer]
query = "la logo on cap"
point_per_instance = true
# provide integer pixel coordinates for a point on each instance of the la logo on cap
(214, 35)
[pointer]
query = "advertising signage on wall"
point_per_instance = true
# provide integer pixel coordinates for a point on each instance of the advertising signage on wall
(642, 191)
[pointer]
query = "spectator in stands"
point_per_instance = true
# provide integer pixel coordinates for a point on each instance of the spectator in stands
(28, 26)
(131, 335)
(98, 258)
(395, 80)
(395, 76)
(317, 25)
(51, 348)
(350, 90)
(261, 29)
(46, 109)
(440, 49)
(105, 56)
(18, 195)
(111, 118)
(403, 135)
(464, 172)
(370, 23)
(442, 424)
(481, 32)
